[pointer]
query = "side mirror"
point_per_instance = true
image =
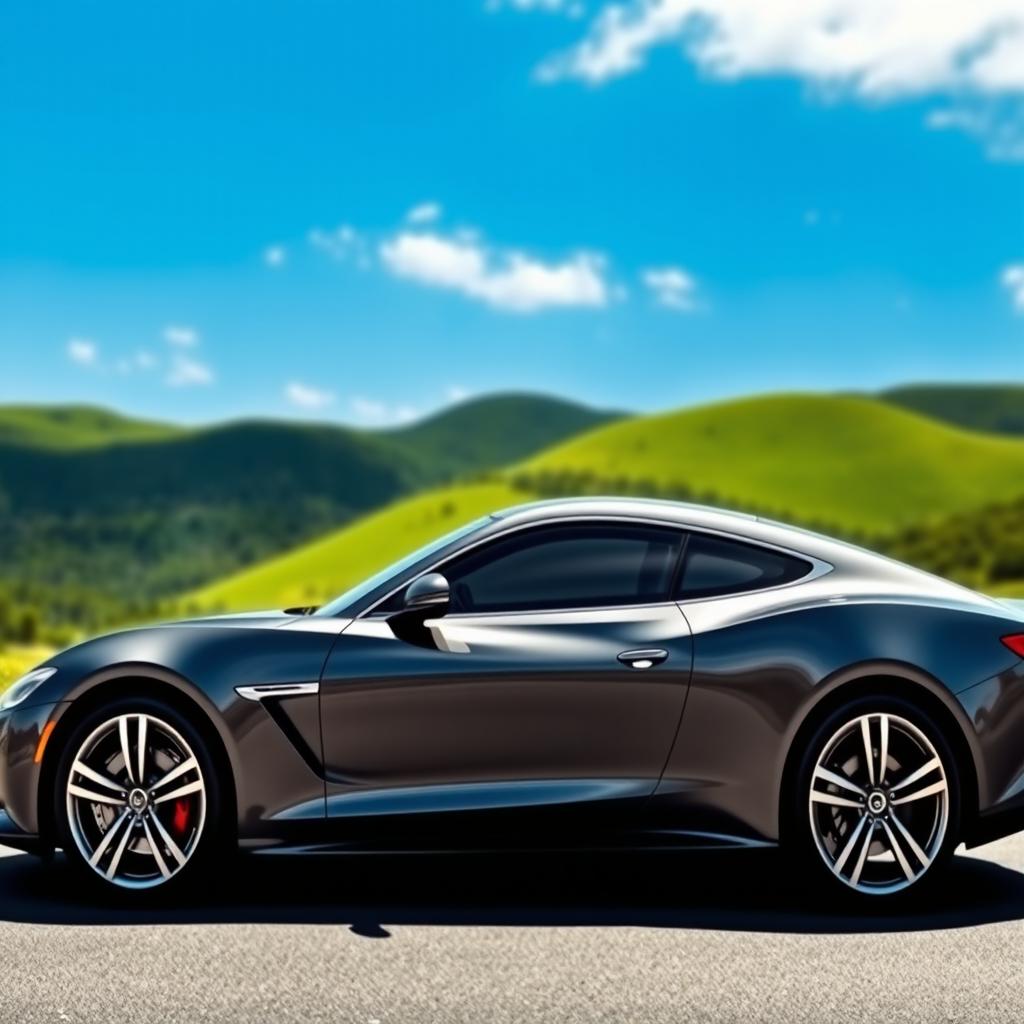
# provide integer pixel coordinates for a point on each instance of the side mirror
(430, 591)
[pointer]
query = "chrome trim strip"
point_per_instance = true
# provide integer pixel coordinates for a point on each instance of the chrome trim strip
(258, 693)
(480, 796)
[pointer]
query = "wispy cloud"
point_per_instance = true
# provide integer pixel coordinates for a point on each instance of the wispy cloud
(507, 280)
(998, 126)
(457, 393)
(672, 287)
(275, 256)
(373, 412)
(141, 362)
(876, 50)
(83, 351)
(181, 336)
(187, 372)
(341, 243)
(424, 213)
(1012, 279)
(571, 8)
(305, 396)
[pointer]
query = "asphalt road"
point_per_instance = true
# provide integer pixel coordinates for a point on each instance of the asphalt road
(699, 937)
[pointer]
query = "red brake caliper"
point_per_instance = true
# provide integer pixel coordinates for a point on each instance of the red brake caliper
(181, 809)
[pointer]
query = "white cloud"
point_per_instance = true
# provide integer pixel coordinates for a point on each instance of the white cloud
(275, 256)
(872, 49)
(183, 337)
(507, 280)
(1012, 279)
(341, 243)
(878, 48)
(424, 213)
(376, 413)
(457, 393)
(672, 287)
(307, 397)
(186, 372)
(83, 351)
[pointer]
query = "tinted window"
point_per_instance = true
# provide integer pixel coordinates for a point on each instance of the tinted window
(713, 565)
(577, 566)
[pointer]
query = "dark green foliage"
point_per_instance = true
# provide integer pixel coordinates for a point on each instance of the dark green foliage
(497, 430)
(994, 408)
(977, 549)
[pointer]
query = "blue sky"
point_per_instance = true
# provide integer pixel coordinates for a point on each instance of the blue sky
(360, 211)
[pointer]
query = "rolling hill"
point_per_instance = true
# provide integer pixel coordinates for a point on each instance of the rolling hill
(74, 427)
(496, 430)
(847, 463)
(993, 408)
(853, 465)
(102, 516)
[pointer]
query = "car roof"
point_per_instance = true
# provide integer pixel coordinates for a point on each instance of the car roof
(848, 559)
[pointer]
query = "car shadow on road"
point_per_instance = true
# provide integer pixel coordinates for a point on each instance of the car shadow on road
(733, 891)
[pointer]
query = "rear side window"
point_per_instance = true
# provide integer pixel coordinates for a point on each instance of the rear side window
(582, 565)
(714, 566)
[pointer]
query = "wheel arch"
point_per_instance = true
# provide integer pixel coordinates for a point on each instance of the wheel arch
(143, 681)
(889, 680)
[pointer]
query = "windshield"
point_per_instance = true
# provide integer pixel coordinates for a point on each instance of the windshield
(361, 590)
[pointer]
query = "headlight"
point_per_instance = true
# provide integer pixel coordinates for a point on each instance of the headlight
(24, 687)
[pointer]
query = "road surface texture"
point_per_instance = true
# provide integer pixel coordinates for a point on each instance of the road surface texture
(695, 937)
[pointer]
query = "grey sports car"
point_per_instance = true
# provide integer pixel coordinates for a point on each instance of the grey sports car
(593, 673)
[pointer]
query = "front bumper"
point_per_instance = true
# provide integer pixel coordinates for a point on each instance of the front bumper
(20, 771)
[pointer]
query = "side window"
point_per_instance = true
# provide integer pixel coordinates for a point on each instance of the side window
(714, 565)
(580, 565)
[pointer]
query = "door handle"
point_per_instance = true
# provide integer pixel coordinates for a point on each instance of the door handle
(643, 659)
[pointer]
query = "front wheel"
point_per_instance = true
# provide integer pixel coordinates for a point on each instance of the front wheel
(877, 807)
(136, 796)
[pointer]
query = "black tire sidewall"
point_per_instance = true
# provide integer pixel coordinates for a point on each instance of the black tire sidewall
(210, 842)
(798, 839)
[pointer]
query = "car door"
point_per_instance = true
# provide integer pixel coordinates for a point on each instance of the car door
(557, 678)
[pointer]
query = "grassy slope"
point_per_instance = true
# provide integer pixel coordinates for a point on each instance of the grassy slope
(71, 427)
(854, 463)
(318, 571)
(994, 408)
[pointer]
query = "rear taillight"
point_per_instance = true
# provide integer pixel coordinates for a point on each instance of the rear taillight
(1015, 641)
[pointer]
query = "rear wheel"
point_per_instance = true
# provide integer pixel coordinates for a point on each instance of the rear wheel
(137, 798)
(877, 807)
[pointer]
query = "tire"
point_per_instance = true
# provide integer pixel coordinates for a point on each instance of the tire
(152, 829)
(859, 831)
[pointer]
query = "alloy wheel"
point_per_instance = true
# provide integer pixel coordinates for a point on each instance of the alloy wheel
(879, 803)
(136, 801)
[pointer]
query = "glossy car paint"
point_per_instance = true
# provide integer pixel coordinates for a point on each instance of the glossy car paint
(526, 727)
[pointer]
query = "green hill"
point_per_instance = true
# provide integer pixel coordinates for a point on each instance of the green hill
(848, 463)
(993, 408)
(102, 517)
(316, 572)
(496, 430)
(74, 427)
(852, 465)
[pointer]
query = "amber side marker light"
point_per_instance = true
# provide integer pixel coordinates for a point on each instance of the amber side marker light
(1016, 643)
(44, 738)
